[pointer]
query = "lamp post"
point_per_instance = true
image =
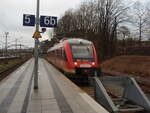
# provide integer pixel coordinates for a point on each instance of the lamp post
(36, 47)
(6, 34)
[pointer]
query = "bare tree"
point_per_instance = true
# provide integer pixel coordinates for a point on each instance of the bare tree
(140, 18)
(96, 20)
(110, 14)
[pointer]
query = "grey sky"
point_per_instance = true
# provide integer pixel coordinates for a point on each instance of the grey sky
(11, 16)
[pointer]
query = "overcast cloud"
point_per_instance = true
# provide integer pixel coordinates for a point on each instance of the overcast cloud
(11, 16)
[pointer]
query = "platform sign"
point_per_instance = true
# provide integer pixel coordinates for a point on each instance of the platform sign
(48, 21)
(28, 20)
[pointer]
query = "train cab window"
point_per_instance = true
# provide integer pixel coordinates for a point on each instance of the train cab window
(82, 51)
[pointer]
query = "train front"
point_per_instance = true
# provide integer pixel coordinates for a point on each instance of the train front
(84, 58)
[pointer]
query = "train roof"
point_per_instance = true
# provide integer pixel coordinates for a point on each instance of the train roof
(70, 41)
(78, 41)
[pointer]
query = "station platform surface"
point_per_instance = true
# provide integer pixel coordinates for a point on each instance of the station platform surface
(56, 94)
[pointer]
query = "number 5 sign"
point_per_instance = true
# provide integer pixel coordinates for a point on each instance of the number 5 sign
(28, 20)
(48, 21)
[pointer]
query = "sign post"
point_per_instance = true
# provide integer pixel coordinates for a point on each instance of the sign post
(36, 47)
(43, 21)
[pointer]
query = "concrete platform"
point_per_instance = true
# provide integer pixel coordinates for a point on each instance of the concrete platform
(56, 94)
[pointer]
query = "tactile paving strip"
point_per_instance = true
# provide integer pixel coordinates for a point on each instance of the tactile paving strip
(61, 101)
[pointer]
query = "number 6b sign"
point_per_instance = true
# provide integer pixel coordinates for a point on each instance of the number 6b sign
(48, 21)
(45, 21)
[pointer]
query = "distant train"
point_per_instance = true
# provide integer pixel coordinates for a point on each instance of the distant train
(76, 57)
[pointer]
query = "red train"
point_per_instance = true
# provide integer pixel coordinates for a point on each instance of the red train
(76, 57)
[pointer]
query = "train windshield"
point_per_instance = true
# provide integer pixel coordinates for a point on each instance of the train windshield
(82, 51)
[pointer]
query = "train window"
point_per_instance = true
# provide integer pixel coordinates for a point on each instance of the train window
(64, 55)
(57, 52)
(62, 52)
(82, 51)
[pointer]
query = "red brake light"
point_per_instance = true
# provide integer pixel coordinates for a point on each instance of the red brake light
(75, 63)
(93, 63)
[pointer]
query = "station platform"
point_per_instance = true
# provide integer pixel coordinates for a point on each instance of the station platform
(56, 94)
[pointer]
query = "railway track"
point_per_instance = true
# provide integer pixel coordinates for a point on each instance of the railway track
(89, 90)
(144, 84)
(116, 97)
(6, 72)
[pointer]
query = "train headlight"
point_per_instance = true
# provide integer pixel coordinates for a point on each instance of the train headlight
(93, 63)
(75, 63)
